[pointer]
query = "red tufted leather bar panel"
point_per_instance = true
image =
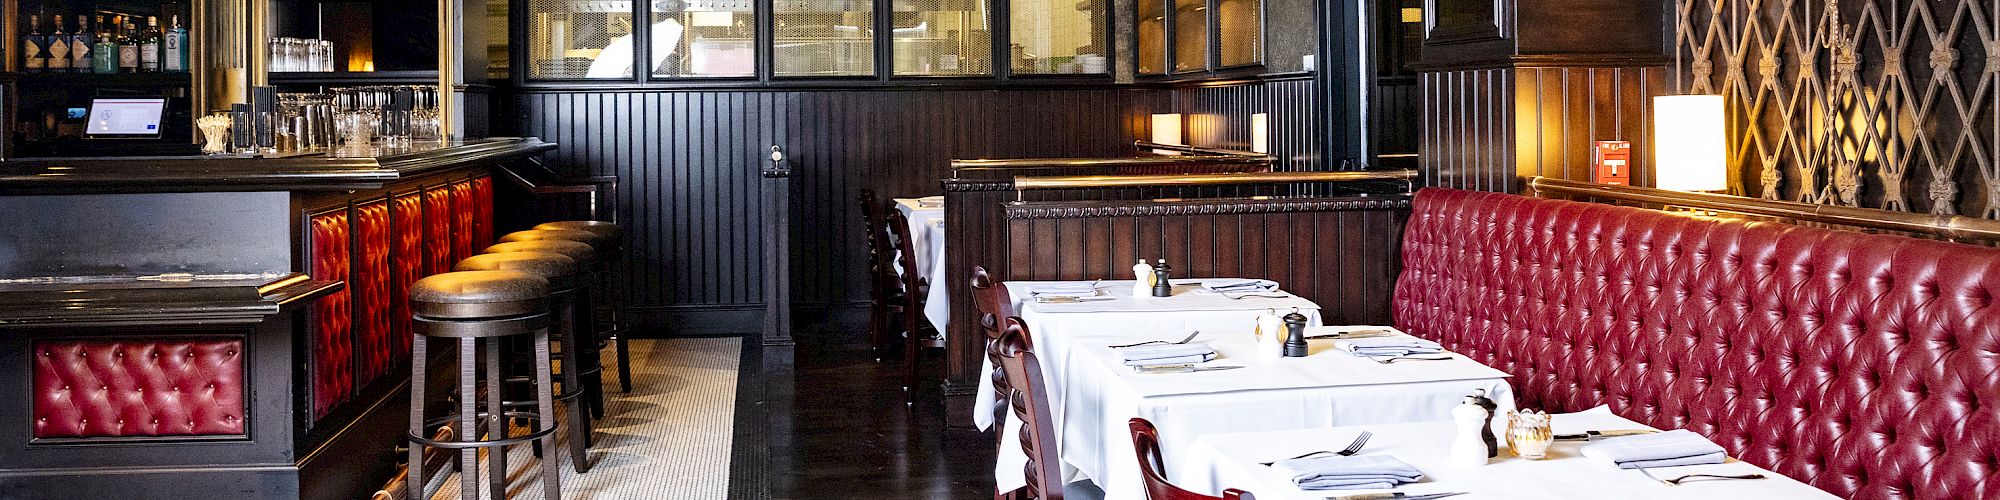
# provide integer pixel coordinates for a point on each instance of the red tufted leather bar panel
(462, 216)
(333, 316)
(374, 337)
(482, 209)
(407, 262)
(1858, 363)
(437, 233)
(114, 388)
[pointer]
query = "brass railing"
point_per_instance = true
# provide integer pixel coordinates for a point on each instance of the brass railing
(1947, 226)
(1027, 183)
(1195, 156)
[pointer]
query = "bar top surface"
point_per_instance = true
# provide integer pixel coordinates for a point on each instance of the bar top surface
(348, 168)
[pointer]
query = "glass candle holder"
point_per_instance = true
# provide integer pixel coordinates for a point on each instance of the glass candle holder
(1528, 434)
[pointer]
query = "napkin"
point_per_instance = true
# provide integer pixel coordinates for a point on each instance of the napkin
(1335, 472)
(1065, 290)
(930, 201)
(1399, 345)
(1166, 354)
(1666, 449)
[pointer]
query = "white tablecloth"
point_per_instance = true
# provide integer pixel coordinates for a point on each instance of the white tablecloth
(1092, 396)
(926, 217)
(1219, 461)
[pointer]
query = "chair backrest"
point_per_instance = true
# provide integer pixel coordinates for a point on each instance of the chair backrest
(1030, 404)
(994, 304)
(906, 254)
(1146, 442)
(873, 224)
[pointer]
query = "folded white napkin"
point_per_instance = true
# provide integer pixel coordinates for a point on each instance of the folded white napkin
(1665, 449)
(1398, 345)
(1166, 354)
(1065, 290)
(930, 201)
(1335, 472)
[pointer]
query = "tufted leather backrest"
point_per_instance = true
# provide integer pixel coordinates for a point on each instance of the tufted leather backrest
(1857, 363)
(117, 388)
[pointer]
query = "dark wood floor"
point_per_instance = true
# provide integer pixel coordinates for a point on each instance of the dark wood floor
(835, 426)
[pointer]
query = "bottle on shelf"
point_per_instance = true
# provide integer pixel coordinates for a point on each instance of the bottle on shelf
(175, 54)
(104, 50)
(149, 46)
(58, 47)
(128, 49)
(81, 43)
(34, 47)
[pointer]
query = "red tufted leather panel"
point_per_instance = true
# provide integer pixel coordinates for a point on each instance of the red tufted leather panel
(437, 233)
(407, 262)
(482, 209)
(109, 388)
(333, 316)
(1858, 363)
(462, 216)
(373, 330)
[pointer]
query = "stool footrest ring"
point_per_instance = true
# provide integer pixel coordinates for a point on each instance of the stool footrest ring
(483, 443)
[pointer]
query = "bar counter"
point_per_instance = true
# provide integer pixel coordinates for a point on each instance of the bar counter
(223, 327)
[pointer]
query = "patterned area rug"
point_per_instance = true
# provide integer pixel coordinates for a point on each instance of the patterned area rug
(667, 439)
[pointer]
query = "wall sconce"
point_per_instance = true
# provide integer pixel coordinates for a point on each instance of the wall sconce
(1689, 143)
(1260, 133)
(1167, 130)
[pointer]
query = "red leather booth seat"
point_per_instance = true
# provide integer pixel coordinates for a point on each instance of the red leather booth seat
(1860, 364)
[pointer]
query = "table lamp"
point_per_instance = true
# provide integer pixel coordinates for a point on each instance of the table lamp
(1688, 142)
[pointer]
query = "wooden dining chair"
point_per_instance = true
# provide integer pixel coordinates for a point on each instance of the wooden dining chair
(994, 304)
(884, 292)
(1146, 442)
(916, 288)
(1015, 349)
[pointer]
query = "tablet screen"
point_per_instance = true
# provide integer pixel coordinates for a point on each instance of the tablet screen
(126, 117)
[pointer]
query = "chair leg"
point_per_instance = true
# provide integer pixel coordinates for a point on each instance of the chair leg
(624, 364)
(572, 362)
(912, 348)
(416, 467)
(496, 424)
(545, 410)
(468, 414)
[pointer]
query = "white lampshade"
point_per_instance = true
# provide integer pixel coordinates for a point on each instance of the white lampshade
(1688, 143)
(1167, 130)
(1260, 133)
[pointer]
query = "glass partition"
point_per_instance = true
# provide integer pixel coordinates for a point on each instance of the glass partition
(823, 38)
(941, 37)
(580, 39)
(1152, 20)
(1059, 36)
(1240, 31)
(704, 38)
(1190, 35)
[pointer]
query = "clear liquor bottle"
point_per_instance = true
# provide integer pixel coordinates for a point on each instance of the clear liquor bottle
(174, 50)
(149, 46)
(104, 51)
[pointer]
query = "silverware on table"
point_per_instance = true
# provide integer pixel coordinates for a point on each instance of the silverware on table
(1408, 358)
(1351, 449)
(1357, 334)
(1067, 299)
(1159, 369)
(1395, 496)
(1190, 338)
(1684, 478)
(1596, 435)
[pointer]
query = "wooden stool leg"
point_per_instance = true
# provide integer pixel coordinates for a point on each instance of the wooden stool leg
(545, 408)
(416, 467)
(572, 362)
(624, 364)
(468, 414)
(496, 423)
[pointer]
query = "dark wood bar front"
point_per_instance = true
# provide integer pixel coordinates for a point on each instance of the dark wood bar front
(160, 336)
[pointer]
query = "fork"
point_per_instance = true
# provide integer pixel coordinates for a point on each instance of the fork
(1352, 448)
(1190, 338)
(1407, 358)
(1677, 481)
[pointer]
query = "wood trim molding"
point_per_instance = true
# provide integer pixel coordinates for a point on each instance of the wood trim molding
(1099, 209)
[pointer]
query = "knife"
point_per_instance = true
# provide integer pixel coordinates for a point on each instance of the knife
(1180, 369)
(1395, 496)
(1065, 299)
(1356, 334)
(1596, 435)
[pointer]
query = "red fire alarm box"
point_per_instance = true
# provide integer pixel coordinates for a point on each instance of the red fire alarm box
(1613, 162)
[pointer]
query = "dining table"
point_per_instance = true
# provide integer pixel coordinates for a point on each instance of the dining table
(1091, 393)
(1236, 460)
(926, 217)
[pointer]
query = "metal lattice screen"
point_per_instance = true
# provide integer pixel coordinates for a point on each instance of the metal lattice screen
(1877, 103)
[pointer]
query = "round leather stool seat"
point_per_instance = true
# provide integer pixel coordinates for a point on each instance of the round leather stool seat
(593, 239)
(606, 230)
(479, 294)
(559, 270)
(578, 251)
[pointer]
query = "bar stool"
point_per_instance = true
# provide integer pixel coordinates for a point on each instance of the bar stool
(562, 275)
(481, 307)
(611, 282)
(604, 245)
(586, 258)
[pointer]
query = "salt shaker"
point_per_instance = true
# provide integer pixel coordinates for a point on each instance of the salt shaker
(1142, 276)
(1469, 448)
(1270, 335)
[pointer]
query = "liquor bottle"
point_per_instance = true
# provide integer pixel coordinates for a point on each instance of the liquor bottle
(34, 47)
(128, 49)
(149, 46)
(104, 52)
(175, 55)
(80, 46)
(58, 48)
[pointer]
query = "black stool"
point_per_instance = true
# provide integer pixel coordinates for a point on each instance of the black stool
(586, 258)
(611, 283)
(562, 273)
(602, 237)
(476, 306)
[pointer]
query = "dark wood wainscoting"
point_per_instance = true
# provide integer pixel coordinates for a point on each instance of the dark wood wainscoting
(1485, 128)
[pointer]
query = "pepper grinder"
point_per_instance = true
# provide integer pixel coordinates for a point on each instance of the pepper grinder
(1478, 397)
(1295, 338)
(1162, 286)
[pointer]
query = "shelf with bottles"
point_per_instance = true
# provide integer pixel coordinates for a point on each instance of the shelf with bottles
(134, 80)
(73, 38)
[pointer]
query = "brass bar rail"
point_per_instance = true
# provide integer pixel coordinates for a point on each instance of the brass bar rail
(1948, 226)
(1149, 145)
(1054, 163)
(1023, 183)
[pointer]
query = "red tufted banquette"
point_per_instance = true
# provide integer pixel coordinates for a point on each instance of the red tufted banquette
(114, 388)
(1858, 363)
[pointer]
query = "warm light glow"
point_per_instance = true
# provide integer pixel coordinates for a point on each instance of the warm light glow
(1688, 143)
(714, 18)
(1260, 133)
(1167, 130)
